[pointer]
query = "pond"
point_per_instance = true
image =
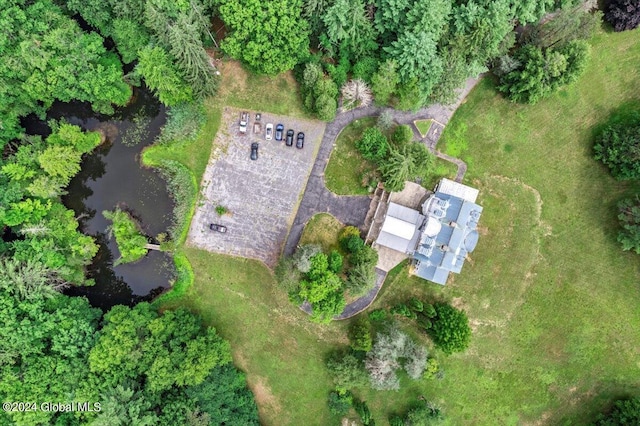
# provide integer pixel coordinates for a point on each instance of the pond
(112, 176)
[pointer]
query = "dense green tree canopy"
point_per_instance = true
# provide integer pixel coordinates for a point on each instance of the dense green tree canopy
(618, 147)
(144, 367)
(268, 35)
(450, 330)
(31, 182)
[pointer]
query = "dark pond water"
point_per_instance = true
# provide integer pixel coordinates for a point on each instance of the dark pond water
(112, 176)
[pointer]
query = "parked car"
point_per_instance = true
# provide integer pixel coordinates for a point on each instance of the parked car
(244, 120)
(218, 228)
(289, 139)
(279, 131)
(268, 131)
(257, 128)
(254, 151)
(300, 140)
(258, 116)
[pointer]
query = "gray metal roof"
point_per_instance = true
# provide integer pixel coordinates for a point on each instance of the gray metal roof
(446, 252)
(396, 232)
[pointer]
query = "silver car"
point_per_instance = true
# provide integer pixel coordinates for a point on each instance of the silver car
(268, 131)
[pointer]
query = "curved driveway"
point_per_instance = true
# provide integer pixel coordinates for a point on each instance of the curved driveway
(352, 210)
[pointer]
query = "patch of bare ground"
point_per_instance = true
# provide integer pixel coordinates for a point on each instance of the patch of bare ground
(265, 399)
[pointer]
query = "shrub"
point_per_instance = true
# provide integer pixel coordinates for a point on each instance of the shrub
(347, 371)
(429, 310)
(184, 122)
(617, 146)
(221, 210)
(402, 135)
(362, 278)
(287, 274)
(348, 231)
(373, 145)
(339, 403)
(629, 217)
(423, 322)
(624, 412)
(450, 330)
(415, 305)
(302, 256)
(402, 309)
(363, 411)
(623, 14)
(431, 368)
(378, 315)
(335, 262)
(366, 255)
(385, 121)
(131, 243)
(360, 335)
(183, 188)
(396, 421)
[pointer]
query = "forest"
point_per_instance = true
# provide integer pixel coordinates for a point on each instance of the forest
(153, 367)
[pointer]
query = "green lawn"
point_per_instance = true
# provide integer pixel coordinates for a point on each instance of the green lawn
(271, 339)
(322, 229)
(423, 126)
(346, 167)
(553, 301)
(277, 94)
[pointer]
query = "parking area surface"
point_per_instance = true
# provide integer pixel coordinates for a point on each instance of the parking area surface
(261, 196)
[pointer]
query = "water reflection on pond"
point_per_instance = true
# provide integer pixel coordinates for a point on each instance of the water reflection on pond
(112, 176)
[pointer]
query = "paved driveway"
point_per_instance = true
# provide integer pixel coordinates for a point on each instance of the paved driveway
(262, 196)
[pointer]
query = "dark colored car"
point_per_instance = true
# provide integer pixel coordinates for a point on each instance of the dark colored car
(218, 228)
(254, 151)
(279, 131)
(289, 140)
(300, 140)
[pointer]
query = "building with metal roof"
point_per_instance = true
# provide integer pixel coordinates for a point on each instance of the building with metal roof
(400, 230)
(439, 238)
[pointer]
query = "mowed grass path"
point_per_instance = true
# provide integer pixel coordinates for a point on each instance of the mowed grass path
(554, 302)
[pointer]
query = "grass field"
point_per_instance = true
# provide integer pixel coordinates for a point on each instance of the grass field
(241, 89)
(343, 175)
(553, 301)
(322, 229)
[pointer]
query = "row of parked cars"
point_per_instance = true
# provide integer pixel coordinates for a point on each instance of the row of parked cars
(288, 138)
(269, 133)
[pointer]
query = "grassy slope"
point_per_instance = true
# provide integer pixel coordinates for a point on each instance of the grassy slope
(553, 300)
(571, 342)
(272, 340)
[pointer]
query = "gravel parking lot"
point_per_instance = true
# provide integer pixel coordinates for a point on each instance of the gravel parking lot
(262, 196)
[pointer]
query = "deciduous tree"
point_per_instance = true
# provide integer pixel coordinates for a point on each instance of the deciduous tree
(450, 330)
(269, 36)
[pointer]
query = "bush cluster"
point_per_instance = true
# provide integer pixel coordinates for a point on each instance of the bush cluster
(131, 242)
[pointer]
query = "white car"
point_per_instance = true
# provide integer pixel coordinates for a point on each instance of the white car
(268, 131)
